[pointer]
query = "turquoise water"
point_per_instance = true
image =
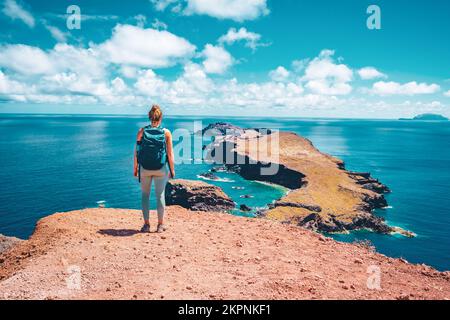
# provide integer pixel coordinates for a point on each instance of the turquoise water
(62, 163)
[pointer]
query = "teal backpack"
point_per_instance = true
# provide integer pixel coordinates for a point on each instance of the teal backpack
(151, 150)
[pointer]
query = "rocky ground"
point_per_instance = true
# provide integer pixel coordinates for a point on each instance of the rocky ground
(99, 254)
(7, 242)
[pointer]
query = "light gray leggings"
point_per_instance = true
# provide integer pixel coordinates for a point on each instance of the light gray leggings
(160, 177)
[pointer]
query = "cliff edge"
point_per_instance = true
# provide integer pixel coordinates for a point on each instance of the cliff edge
(99, 254)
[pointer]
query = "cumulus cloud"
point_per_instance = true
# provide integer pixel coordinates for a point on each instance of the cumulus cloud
(77, 75)
(145, 47)
(11, 87)
(447, 93)
(237, 10)
(411, 88)
(368, 73)
(14, 10)
(279, 74)
(217, 59)
(324, 76)
(25, 59)
(251, 39)
(151, 85)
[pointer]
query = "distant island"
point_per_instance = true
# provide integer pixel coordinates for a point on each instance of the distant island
(427, 117)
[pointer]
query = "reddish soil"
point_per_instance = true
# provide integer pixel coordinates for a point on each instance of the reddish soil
(200, 256)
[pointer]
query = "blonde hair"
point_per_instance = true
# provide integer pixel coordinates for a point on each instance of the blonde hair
(155, 114)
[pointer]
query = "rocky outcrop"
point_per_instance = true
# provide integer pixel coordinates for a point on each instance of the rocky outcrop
(221, 128)
(8, 242)
(197, 196)
(324, 196)
(367, 182)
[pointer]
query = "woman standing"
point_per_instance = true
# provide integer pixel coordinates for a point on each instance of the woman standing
(154, 161)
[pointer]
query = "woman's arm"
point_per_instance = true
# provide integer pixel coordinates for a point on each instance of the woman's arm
(170, 156)
(138, 138)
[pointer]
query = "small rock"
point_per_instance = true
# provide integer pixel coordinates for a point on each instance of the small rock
(188, 287)
(245, 208)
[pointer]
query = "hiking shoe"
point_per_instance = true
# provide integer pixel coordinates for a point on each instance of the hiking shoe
(145, 228)
(161, 228)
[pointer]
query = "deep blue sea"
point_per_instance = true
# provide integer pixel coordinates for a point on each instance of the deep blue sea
(53, 163)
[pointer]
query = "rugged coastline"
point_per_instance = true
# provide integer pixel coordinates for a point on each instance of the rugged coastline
(324, 195)
(214, 255)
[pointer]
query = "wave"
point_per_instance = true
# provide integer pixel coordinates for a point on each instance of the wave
(215, 179)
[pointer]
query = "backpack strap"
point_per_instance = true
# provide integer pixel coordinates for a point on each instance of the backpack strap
(138, 143)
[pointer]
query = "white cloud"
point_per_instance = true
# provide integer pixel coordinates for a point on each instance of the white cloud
(323, 76)
(217, 59)
(25, 59)
(67, 74)
(15, 11)
(11, 87)
(279, 74)
(161, 5)
(233, 35)
(300, 65)
(159, 25)
(28, 60)
(149, 84)
(141, 20)
(368, 73)
(447, 93)
(145, 47)
(237, 10)
(128, 71)
(411, 88)
(118, 85)
(56, 33)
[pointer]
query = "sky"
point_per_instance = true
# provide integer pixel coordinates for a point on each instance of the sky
(264, 58)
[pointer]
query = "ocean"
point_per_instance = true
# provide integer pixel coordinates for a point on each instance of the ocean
(54, 163)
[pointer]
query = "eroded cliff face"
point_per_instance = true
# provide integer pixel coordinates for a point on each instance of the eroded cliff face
(324, 195)
(197, 196)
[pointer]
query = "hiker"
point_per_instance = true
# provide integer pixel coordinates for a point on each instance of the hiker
(154, 161)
